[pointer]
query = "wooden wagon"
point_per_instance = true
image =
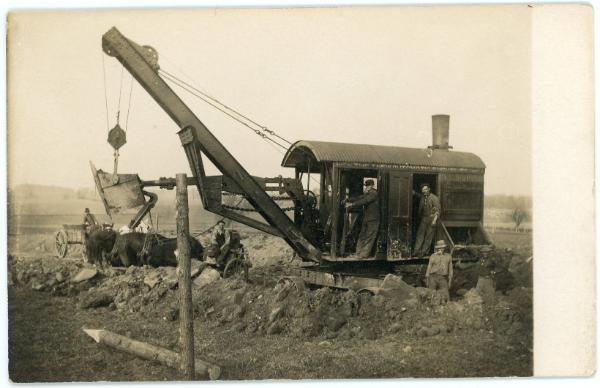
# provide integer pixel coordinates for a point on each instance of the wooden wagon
(69, 235)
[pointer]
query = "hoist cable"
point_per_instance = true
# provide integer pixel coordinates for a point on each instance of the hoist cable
(105, 94)
(267, 130)
(259, 133)
(256, 131)
(276, 149)
(262, 127)
(120, 92)
(129, 104)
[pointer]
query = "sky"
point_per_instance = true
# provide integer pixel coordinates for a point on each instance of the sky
(359, 75)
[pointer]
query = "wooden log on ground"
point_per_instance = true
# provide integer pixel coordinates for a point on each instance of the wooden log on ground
(186, 311)
(150, 352)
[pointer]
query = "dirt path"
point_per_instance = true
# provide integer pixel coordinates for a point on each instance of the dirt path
(46, 343)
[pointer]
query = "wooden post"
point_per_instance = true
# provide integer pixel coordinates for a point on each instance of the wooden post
(186, 322)
(151, 352)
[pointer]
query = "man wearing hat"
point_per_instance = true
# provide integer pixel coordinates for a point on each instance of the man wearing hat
(429, 211)
(486, 286)
(439, 272)
(219, 245)
(370, 223)
(89, 218)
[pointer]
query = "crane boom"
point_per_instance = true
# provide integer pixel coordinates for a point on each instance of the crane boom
(196, 139)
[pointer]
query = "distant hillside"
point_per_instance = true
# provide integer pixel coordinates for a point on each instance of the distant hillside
(501, 201)
(53, 200)
(42, 200)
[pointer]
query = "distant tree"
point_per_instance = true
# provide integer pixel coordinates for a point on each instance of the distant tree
(518, 217)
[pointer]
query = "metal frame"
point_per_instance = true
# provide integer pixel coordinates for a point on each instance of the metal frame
(196, 139)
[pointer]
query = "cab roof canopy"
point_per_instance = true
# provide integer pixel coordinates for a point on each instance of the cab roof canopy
(377, 156)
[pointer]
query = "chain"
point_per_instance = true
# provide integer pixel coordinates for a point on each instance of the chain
(274, 198)
(243, 209)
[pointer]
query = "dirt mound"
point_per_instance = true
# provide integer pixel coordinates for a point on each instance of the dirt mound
(262, 249)
(46, 274)
(267, 305)
(285, 308)
(521, 267)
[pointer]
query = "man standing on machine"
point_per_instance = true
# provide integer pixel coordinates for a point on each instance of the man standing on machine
(370, 223)
(429, 212)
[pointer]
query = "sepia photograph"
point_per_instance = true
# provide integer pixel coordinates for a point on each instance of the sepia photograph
(272, 193)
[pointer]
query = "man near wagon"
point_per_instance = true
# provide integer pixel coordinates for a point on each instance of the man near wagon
(89, 218)
(429, 212)
(439, 272)
(370, 223)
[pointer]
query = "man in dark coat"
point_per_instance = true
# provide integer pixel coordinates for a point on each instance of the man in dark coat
(370, 223)
(486, 285)
(429, 212)
(89, 217)
(219, 245)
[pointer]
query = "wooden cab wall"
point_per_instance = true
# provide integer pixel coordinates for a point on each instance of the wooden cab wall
(456, 178)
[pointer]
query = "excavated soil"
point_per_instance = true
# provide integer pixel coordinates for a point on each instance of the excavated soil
(264, 327)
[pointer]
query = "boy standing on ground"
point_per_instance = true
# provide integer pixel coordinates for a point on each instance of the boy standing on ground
(439, 272)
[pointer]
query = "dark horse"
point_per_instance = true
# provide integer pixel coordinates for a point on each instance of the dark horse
(98, 244)
(149, 248)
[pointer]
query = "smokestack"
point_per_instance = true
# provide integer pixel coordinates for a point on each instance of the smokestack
(440, 131)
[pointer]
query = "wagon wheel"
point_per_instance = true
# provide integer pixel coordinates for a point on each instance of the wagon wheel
(61, 243)
(236, 267)
(293, 281)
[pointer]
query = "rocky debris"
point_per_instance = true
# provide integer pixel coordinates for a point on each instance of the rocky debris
(521, 268)
(335, 320)
(275, 328)
(172, 314)
(472, 297)
(45, 274)
(395, 282)
(275, 314)
(96, 298)
(60, 277)
(84, 274)
(152, 279)
(521, 296)
(431, 330)
(169, 276)
(9, 279)
(209, 275)
(369, 333)
(197, 267)
(36, 285)
(264, 306)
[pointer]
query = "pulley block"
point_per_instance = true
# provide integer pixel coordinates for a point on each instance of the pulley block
(117, 137)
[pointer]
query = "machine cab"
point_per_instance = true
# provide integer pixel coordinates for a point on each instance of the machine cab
(336, 173)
